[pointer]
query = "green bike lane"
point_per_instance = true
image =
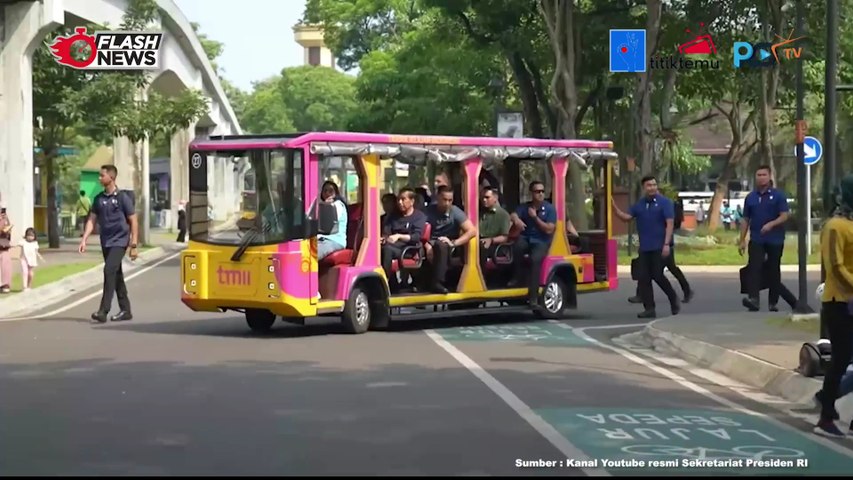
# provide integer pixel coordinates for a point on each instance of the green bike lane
(607, 414)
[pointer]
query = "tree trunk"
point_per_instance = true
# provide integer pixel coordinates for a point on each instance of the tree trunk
(50, 167)
(644, 136)
(736, 154)
(559, 19)
(140, 199)
(527, 90)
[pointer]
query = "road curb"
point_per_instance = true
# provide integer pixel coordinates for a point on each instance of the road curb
(38, 298)
(723, 268)
(765, 376)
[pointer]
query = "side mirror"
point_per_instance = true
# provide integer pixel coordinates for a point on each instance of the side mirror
(327, 223)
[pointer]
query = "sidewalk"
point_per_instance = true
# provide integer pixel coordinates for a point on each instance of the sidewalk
(758, 349)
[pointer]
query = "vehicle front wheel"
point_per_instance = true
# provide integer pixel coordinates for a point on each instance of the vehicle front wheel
(260, 320)
(553, 302)
(356, 316)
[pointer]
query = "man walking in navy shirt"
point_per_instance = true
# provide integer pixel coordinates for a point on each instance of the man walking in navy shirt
(655, 215)
(765, 212)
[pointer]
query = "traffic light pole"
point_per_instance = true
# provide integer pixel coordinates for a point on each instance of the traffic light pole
(830, 172)
(802, 195)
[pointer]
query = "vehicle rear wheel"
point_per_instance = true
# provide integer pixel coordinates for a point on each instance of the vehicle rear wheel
(260, 320)
(553, 302)
(356, 316)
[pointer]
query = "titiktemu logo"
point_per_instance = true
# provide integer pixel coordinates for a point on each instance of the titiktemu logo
(696, 53)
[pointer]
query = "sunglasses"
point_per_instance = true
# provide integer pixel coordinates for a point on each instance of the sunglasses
(538, 191)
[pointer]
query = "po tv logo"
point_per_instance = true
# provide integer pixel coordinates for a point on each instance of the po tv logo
(766, 54)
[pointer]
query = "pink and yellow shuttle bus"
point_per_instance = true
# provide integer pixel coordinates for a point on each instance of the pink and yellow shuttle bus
(271, 268)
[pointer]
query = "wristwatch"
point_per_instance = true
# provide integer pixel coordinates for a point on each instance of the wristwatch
(132, 245)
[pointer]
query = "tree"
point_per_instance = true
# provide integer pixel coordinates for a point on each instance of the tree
(66, 100)
(265, 109)
(434, 81)
(318, 98)
(102, 105)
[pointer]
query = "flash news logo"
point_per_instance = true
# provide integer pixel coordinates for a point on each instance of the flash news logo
(108, 50)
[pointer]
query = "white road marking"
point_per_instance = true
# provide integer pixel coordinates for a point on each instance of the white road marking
(96, 294)
(522, 409)
(708, 394)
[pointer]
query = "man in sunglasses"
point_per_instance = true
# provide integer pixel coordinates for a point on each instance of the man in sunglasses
(538, 219)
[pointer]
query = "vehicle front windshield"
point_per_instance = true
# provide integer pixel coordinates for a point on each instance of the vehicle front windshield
(252, 197)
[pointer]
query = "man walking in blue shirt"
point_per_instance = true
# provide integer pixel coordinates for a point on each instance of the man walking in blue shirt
(538, 218)
(655, 216)
(765, 211)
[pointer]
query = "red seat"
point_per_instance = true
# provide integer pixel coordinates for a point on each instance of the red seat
(346, 256)
(413, 256)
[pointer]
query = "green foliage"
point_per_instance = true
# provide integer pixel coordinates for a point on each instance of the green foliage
(433, 82)
(158, 115)
(265, 110)
(300, 99)
(71, 166)
(317, 98)
(679, 154)
(354, 28)
(100, 105)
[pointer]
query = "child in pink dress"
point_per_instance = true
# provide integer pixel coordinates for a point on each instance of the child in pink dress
(29, 257)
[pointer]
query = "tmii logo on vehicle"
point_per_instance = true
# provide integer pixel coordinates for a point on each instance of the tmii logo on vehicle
(108, 50)
(226, 276)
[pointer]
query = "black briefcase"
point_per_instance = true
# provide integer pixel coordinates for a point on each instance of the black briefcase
(765, 274)
(635, 269)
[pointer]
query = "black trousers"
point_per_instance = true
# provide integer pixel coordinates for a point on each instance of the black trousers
(537, 253)
(391, 252)
(839, 322)
(759, 254)
(440, 260)
(651, 268)
(114, 280)
(669, 263)
(182, 235)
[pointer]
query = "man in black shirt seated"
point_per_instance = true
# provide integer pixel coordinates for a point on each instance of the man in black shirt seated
(401, 229)
(447, 221)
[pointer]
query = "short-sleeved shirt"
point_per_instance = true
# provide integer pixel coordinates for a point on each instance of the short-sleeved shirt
(494, 222)
(113, 211)
(651, 214)
(546, 212)
(763, 207)
(445, 224)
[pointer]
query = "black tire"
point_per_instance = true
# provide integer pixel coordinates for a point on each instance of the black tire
(357, 313)
(259, 320)
(553, 303)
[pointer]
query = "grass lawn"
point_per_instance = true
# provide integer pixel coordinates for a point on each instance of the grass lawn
(725, 252)
(50, 273)
(808, 326)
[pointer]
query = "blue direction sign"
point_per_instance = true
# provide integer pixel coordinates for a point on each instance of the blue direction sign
(813, 150)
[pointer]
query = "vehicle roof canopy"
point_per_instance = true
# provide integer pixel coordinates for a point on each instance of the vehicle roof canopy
(418, 150)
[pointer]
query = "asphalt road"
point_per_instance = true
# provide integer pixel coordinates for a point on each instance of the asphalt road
(181, 393)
